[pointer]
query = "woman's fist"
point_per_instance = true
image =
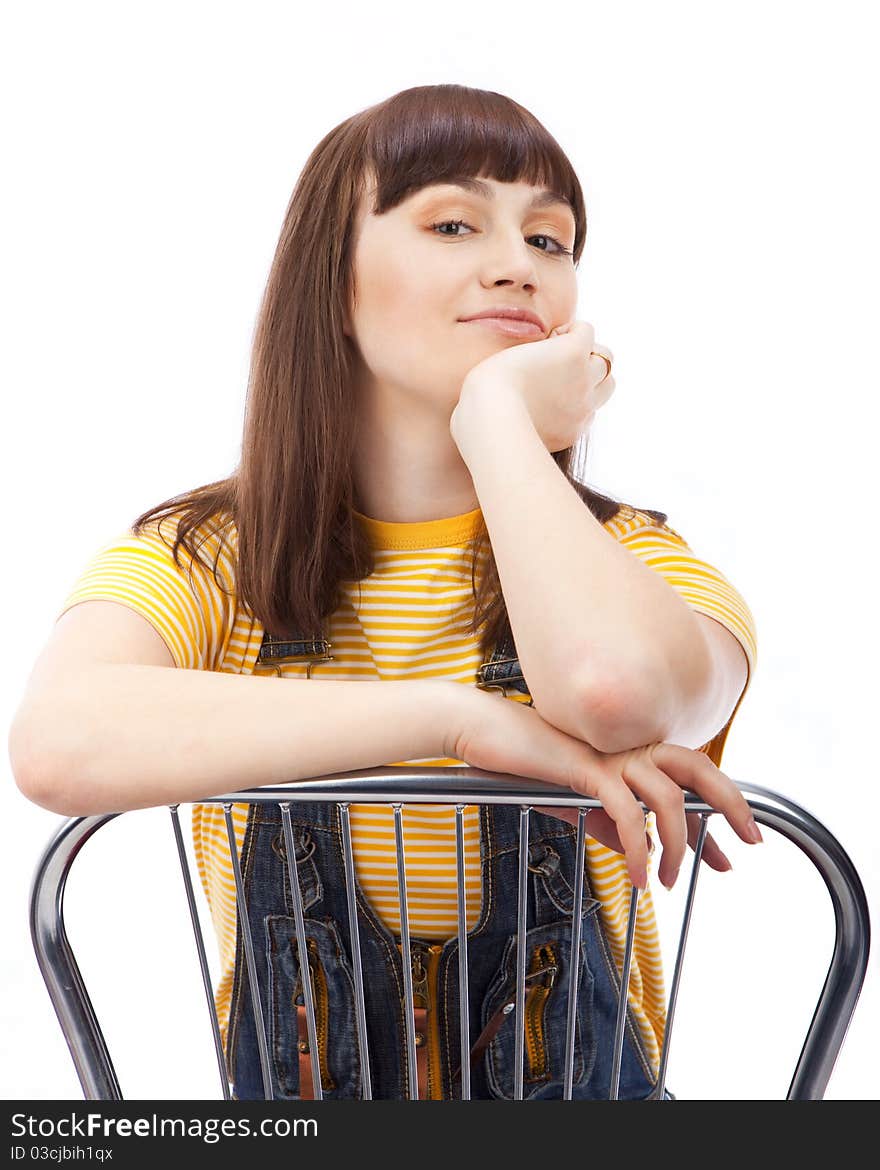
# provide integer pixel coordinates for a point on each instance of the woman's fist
(562, 380)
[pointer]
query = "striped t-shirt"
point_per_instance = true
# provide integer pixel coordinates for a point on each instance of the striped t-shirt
(404, 621)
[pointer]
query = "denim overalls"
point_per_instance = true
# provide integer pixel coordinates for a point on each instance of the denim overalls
(491, 947)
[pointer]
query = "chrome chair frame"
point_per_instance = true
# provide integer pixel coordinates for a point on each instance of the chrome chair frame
(458, 787)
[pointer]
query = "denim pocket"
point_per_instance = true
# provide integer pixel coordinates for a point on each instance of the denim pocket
(333, 989)
(548, 963)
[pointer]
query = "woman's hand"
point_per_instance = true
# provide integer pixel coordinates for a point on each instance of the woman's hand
(560, 384)
(500, 735)
(602, 828)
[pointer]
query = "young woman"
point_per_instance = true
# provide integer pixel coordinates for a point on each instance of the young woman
(406, 498)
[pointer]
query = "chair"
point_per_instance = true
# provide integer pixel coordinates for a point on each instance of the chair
(459, 787)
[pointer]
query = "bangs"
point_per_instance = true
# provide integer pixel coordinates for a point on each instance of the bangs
(437, 133)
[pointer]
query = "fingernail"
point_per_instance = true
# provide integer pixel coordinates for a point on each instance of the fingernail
(753, 832)
(641, 879)
(671, 882)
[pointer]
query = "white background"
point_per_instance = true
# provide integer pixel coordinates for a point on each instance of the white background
(725, 152)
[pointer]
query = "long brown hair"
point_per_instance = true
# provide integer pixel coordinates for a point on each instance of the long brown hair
(292, 496)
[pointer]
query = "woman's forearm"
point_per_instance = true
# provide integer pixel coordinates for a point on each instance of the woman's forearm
(121, 736)
(609, 649)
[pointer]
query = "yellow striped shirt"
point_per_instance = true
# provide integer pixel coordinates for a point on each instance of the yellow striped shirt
(405, 621)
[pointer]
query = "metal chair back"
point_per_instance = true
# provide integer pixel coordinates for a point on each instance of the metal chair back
(459, 787)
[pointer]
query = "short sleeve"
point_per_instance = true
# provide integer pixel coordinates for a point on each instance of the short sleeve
(184, 605)
(701, 584)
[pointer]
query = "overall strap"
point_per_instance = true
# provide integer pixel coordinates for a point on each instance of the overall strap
(503, 671)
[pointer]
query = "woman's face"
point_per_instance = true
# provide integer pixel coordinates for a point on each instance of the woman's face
(416, 275)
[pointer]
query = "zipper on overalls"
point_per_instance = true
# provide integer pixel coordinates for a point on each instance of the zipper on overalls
(425, 965)
(322, 1012)
(541, 976)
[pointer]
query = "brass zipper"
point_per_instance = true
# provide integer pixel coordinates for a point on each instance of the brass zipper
(425, 965)
(419, 977)
(322, 1012)
(541, 975)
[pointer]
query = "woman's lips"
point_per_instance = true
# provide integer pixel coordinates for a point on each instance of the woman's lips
(508, 325)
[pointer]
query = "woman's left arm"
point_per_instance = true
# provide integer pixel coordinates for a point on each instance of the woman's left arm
(610, 651)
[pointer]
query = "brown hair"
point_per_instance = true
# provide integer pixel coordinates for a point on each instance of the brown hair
(299, 433)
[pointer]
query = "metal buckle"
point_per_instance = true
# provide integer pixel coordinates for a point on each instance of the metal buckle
(492, 667)
(272, 653)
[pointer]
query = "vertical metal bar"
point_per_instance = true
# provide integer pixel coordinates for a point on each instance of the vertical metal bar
(624, 993)
(408, 1006)
(679, 958)
(359, 1007)
(305, 971)
(200, 947)
(463, 991)
(251, 962)
(521, 908)
(575, 959)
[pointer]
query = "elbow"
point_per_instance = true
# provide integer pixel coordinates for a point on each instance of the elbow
(606, 716)
(33, 782)
(38, 790)
(628, 716)
(42, 779)
(614, 724)
(40, 787)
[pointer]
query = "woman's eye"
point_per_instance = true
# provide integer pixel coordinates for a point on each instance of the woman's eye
(557, 249)
(449, 223)
(560, 250)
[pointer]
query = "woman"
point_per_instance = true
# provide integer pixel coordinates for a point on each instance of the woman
(408, 455)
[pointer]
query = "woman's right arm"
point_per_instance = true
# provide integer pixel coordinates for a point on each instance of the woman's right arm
(107, 722)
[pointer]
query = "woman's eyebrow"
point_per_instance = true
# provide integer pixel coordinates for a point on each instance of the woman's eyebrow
(544, 198)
